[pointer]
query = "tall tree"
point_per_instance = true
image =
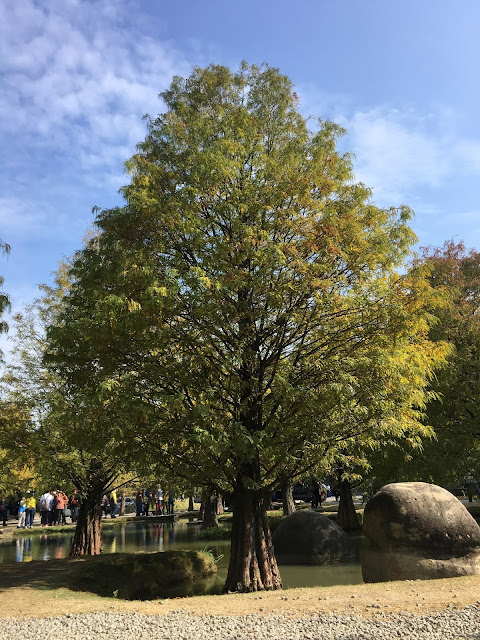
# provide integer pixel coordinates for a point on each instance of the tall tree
(453, 450)
(73, 438)
(455, 415)
(454, 409)
(244, 307)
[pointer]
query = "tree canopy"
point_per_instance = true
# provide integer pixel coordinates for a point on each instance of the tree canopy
(68, 435)
(246, 309)
(454, 413)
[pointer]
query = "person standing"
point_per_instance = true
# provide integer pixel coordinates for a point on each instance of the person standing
(3, 512)
(22, 513)
(152, 504)
(139, 503)
(113, 503)
(171, 502)
(31, 505)
(316, 495)
(62, 502)
(146, 502)
(471, 486)
(74, 506)
(45, 498)
(160, 500)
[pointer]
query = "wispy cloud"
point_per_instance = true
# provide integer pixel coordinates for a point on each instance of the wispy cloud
(75, 84)
(399, 152)
(396, 152)
(76, 78)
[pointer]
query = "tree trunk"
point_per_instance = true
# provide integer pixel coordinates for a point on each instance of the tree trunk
(287, 498)
(210, 509)
(190, 503)
(252, 560)
(87, 540)
(203, 503)
(347, 517)
(269, 502)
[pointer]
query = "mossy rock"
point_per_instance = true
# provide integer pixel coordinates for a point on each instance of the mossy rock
(308, 537)
(145, 576)
(418, 531)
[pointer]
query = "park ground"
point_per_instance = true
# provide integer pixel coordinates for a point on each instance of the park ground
(33, 589)
(30, 590)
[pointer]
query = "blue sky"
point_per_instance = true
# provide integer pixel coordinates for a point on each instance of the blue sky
(77, 75)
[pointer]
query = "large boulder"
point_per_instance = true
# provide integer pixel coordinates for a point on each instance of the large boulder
(418, 531)
(307, 537)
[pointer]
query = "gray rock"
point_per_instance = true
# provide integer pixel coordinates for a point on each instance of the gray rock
(307, 537)
(418, 531)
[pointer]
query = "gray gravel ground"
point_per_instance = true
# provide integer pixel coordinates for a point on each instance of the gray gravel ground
(450, 624)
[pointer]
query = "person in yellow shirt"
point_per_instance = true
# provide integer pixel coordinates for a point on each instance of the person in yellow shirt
(31, 505)
(113, 504)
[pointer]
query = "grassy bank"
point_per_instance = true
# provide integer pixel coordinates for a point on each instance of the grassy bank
(38, 589)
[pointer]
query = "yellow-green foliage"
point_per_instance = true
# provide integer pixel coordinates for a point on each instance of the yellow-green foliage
(143, 576)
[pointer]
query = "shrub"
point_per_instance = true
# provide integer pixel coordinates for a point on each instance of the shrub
(214, 533)
(143, 576)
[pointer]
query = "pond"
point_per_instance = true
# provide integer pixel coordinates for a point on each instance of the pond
(154, 536)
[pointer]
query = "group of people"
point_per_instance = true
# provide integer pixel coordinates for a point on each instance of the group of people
(109, 504)
(53, 506)
(155, 502)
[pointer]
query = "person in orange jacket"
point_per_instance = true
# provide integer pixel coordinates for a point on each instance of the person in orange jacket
(62, 502)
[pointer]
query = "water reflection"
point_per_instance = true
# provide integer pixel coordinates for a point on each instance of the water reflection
(130, 537)
(154, 536)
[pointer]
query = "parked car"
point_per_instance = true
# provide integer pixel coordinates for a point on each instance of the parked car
(128, 501)
(302, 492)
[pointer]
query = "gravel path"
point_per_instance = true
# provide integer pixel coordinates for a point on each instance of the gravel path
(449, 624)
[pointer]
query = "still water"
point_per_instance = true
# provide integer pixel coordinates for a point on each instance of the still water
(145, 536)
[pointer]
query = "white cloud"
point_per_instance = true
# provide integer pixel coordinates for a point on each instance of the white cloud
(394, 152)
(402, 152)
(73, 77)
(77, 77)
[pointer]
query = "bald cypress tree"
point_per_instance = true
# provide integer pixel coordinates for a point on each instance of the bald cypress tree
(245, 307)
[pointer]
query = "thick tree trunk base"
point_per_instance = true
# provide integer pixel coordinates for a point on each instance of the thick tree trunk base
(210, 519)
(87, 540)
(347, 517)
(253, 566)
(288, 502)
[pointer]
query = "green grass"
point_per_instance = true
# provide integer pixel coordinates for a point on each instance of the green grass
(214, 533)
(144, 576)
(107, 523)
(42, 531)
